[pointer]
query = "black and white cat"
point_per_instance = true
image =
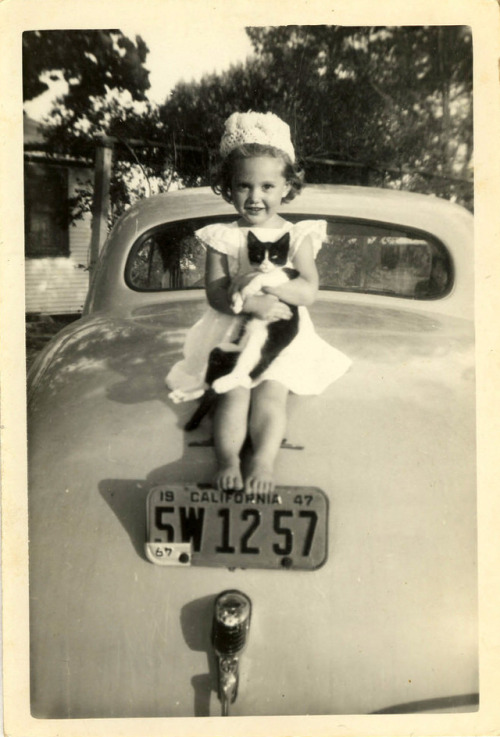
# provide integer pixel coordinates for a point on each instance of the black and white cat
(260, 342)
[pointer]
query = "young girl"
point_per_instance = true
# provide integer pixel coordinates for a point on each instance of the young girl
(257, 174)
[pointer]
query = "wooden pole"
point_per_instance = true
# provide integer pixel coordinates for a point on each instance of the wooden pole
(100, 205)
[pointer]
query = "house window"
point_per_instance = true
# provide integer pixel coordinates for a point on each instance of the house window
(45, 211)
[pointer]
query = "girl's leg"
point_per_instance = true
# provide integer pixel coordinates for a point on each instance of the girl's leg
(267, 430)
(230, 430)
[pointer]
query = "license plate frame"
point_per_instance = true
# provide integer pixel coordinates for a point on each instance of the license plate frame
(191, 524)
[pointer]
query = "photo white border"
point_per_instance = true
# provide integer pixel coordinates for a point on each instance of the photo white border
(17, 16)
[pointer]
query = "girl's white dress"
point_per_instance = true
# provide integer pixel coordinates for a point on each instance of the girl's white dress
(307, 366)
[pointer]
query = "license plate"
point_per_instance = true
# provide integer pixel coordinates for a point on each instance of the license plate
(196, 525)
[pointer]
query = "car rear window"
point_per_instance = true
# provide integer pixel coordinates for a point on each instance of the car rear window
(377, 259)
(356, 256)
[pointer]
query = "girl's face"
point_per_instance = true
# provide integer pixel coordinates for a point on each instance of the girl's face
(257, 188)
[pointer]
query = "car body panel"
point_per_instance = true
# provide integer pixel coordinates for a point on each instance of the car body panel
(390, 618)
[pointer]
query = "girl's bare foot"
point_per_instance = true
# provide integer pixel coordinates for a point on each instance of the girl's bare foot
(228, 478)
(260, 477)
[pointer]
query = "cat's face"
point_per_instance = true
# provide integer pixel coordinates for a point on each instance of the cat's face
(265, 257)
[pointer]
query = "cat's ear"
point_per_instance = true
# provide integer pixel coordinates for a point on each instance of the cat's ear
(284, 240)
(255, 249)
(252, 239)
(281, 247)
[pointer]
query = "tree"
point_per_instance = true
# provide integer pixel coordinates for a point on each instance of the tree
(91, 62)
(105, 97)
(396, 99)
(385, 106)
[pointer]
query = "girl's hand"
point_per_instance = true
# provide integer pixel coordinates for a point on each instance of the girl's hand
(267, 307)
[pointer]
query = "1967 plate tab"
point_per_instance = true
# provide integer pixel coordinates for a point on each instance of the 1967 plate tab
(191, 524)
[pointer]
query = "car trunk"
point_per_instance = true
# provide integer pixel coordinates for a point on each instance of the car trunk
(389, 618)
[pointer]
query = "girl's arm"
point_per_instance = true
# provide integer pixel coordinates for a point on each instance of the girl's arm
(217, 281)
(303, 289)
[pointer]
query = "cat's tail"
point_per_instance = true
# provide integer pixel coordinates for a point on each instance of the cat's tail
(207, 402)
(220, 363)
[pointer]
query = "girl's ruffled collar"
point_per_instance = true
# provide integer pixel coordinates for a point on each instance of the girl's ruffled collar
(245, 228)
(229, 237)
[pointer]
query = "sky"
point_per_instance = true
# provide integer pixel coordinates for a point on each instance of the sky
(177, 52)
(184, 53)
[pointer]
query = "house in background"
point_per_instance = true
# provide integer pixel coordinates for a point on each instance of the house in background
(57, 252)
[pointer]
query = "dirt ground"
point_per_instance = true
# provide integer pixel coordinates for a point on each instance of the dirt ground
(40, 329)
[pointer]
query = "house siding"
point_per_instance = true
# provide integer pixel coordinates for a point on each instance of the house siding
(58, 285)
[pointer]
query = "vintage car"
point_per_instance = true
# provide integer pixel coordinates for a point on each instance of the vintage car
(351, 589)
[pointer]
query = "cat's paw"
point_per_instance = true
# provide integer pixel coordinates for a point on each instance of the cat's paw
(230, 381)
(237, 303)
(178, 395)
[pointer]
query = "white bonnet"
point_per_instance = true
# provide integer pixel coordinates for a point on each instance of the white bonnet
(264, 128)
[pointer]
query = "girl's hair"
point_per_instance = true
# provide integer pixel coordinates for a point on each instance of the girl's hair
(221, 179)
